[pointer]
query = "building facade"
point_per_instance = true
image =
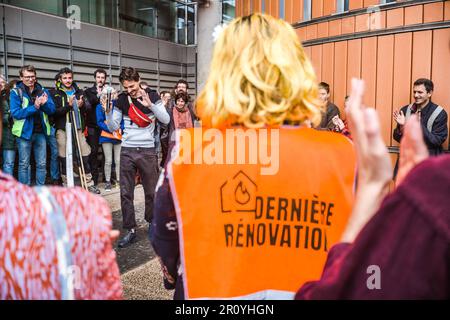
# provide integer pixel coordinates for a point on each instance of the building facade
(389, 44)
(156, 37)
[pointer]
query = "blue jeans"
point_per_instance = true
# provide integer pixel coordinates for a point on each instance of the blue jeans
(39, 144)
(9, 156)
(54, 162)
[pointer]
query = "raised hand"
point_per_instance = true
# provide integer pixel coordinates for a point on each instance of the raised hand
(71, 101)
(412, 148)
(144, 99)
(339, 124)
(39, 101)
(374, 164)
(399, 117)
(103, 102)
(44, 98)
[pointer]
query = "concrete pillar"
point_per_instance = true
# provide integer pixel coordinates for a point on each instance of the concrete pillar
(208, 19)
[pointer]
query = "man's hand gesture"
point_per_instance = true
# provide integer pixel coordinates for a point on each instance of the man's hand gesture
(399, 117)
(41, 100)
(144, 99)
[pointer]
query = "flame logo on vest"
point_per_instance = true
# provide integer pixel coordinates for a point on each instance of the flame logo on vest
(238, 194)
(241, 194)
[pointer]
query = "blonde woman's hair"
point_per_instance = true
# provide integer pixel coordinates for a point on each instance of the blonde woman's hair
(260, 75)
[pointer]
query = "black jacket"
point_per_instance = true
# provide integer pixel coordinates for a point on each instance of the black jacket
(62, 106)
(91, 103)
(327, 117)
(438, 134)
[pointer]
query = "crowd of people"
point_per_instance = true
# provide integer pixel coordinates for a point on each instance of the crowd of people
(406, 233)
(34, 124)
(35, 121)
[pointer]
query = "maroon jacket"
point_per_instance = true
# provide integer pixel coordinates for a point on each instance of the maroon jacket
(408, 238)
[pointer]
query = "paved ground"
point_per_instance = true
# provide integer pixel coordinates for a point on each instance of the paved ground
(139, 268)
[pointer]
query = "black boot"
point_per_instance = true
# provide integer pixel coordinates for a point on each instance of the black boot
(128, 239)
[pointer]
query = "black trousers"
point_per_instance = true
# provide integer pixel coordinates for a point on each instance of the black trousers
(92, 140)
(144, 161)
(164, 150)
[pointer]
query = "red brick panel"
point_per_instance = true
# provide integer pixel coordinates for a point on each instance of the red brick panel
(340, 75)
(447, 10)
(362, 22)
(395, 18)
(385, 73)
(328, 66)
(413, 15)
(421, 59)
(335, 27)
(402, 71)
(348, 25)
(322, 30)
(317, 8)
(316, 58)
(356, 4)
(353, 60)
(440, 69)
(369, 69)
(329, 7)
(433, 12)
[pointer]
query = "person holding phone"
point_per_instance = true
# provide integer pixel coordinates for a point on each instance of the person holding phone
(110, 140)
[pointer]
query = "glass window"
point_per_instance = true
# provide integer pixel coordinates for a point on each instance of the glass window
(167, 16)
(100, 12)
(56, 7)
(191, 25)
(138, 16)
(170, 20)
(229, 10)
(181, 23)
(307, 10)
(281, 9)
(342, 6)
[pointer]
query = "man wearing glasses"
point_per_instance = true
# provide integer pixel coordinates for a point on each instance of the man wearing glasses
(31, 105)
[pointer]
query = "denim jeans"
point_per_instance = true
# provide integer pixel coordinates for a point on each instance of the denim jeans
(39, 144)
(54, 161)
(9, 156)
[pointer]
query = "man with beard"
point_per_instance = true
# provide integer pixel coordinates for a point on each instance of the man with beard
(65, 95)
(138, 154)
(432, 117)
(181, 87)
(93, 130)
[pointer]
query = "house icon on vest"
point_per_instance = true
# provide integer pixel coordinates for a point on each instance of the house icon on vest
(238, 194)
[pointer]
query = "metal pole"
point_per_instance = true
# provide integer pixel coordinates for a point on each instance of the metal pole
(80, 155)
(5, 46)
(196, 23)
(185, 24)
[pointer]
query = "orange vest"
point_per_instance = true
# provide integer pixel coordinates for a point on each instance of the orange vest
(246, 234)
